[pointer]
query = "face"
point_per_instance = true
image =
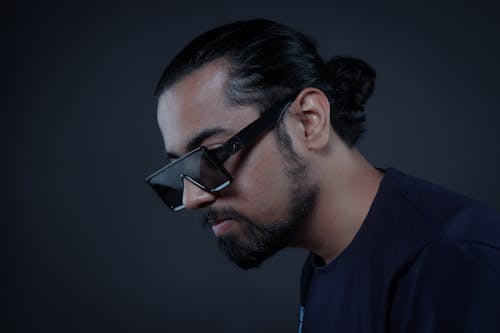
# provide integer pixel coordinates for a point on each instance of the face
(261, 211)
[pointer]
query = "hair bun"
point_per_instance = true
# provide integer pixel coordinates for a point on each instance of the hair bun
(353, 81)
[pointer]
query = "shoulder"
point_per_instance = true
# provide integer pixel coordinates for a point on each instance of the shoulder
(462, 260)
(452, 216)
(449, 286)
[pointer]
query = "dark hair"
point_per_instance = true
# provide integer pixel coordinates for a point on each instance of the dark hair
(268, 61)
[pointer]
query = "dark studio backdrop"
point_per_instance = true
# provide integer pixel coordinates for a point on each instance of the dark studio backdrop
(86, 246)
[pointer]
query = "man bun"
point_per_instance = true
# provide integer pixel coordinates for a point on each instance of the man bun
(269, 62)
(353, 81)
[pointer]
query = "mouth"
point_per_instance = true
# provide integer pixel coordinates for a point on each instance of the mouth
(221, 225)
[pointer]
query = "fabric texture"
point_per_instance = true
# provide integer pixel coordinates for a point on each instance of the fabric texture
(424, 260)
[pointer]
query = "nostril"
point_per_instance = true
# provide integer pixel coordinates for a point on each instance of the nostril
(194, 197)
(204, 204)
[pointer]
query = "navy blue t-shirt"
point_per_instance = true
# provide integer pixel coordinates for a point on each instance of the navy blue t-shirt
(424, 260)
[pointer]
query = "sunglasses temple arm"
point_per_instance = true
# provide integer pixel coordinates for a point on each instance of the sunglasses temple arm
(251, 132)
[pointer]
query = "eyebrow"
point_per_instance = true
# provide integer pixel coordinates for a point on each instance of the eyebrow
(196, 140)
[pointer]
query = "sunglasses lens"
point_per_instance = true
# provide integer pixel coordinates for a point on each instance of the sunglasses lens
(210, 175)
(198, 167)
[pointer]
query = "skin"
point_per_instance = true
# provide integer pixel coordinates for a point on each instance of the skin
(345, 181)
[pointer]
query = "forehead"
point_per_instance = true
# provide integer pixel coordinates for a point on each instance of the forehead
(195, 103)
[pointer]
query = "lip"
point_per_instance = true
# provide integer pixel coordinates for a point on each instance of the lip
(221, 226)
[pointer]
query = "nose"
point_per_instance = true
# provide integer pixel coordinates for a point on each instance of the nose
(194, 197)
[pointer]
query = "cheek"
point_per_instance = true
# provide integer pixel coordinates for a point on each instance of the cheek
(259, 181)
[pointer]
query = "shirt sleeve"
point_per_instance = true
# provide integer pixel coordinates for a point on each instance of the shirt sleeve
(449, 287)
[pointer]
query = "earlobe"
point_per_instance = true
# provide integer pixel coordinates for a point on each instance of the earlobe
(314, 117)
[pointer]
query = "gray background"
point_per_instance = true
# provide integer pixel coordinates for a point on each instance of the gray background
(87, 247)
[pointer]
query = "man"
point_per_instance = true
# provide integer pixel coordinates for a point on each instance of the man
(261, 134)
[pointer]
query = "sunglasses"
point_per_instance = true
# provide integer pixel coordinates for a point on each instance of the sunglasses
(204, 167)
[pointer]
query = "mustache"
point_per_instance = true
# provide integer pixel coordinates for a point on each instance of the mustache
(250, 227)
(210, 215)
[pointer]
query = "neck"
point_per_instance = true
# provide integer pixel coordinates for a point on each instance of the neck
(346, 192)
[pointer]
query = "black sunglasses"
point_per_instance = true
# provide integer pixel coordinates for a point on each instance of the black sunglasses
(204, 167)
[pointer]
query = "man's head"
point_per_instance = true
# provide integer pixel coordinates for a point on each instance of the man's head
(221, 82)
(266, 61)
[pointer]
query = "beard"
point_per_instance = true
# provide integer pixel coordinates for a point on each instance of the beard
(260, 240)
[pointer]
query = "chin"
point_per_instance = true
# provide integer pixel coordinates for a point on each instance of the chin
(245, 255)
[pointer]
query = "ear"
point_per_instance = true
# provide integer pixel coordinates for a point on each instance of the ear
(314, 117)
